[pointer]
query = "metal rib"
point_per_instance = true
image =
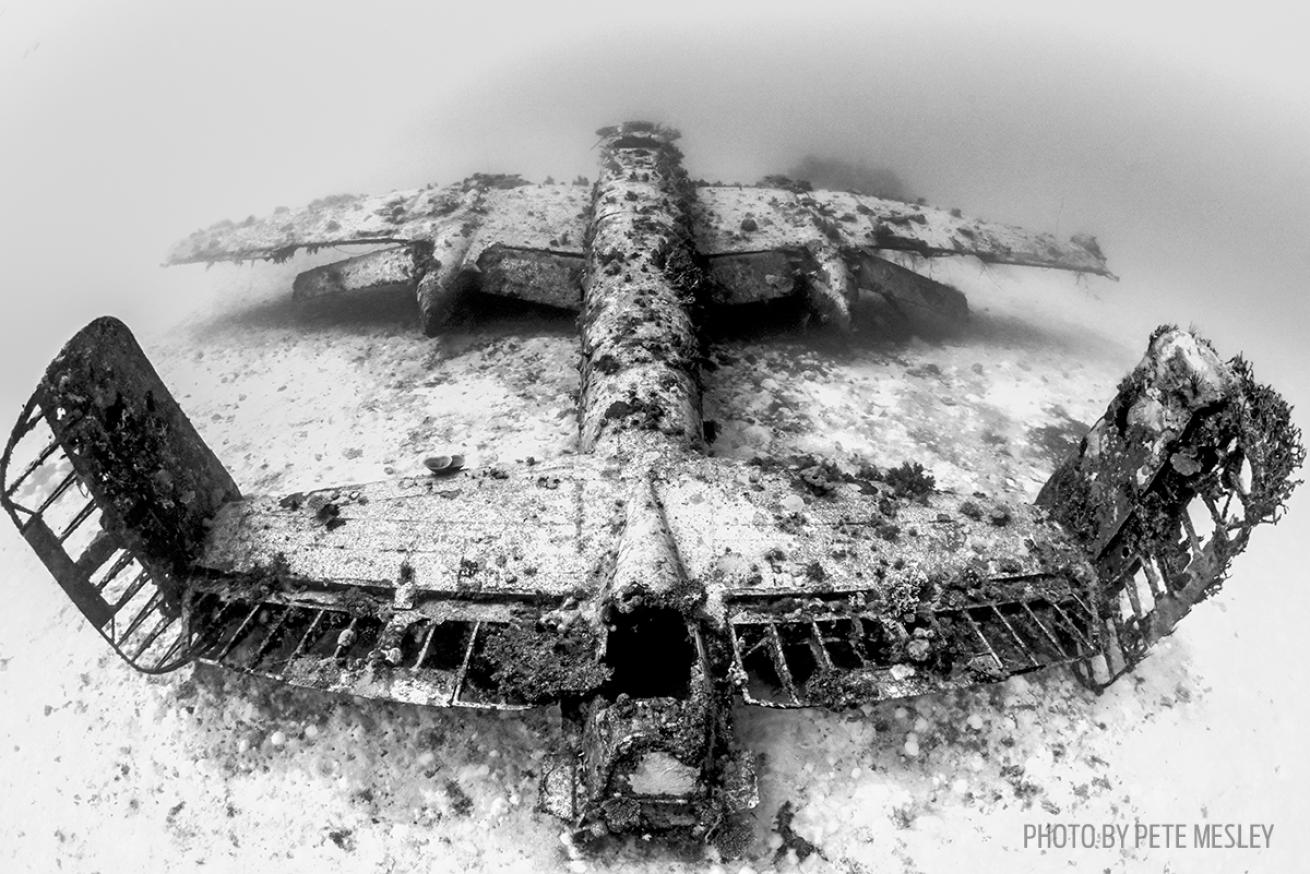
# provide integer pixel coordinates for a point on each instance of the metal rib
(1152, 576)
(1049, 636)
(58, 490)
(427, 645)
(1192, 539)
(142, 577)
(1071, 625)
(150, 606)
(1130, 588)
(759, 643)
(1118, 635)
(76, 522)
(462, 673)
(241, 629)
(857, 640)
(31, 467)
(977, 629)
(269, 636)
(1082, 604)
(313, 625)
(114, 570)
(820, 651)
(780, 663)
(1023, 647)
(172, 650)
(1220, 517)
(153, 635)
(213, 630)
(1165, 576)
(34, 415)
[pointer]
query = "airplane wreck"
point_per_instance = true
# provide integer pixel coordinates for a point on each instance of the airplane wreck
(642, 586)
(499, 235)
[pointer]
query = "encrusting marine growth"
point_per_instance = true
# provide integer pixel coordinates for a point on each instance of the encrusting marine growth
(642, 585)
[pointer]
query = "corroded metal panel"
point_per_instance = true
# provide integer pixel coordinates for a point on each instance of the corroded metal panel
(389, 268)
(548, 218)
(800, 527)
(532, 275)
(1179, 380)
(914, 297)
(527, 532)
(753, 277)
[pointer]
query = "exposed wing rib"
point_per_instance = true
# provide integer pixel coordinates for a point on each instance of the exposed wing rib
(833, 654)
(474, 655)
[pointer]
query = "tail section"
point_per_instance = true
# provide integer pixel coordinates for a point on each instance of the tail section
(1166, 488)
(111, 486)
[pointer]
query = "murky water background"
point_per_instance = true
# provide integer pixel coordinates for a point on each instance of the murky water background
(1178, 140)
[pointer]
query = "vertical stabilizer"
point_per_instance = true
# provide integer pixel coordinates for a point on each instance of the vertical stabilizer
(1167, 486)
(112, 487)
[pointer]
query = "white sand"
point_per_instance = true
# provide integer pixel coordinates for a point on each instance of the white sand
(110, 771)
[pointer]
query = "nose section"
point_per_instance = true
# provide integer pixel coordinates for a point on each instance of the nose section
(650, 737)
(646, 764)
(654, 751)
(648, 741)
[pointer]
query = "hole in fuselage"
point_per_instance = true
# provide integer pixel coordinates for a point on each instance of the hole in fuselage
(650, 654)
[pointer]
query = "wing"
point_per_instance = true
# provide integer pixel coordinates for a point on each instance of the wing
(493, 234)
(736, 220)
(1191, 455)
(444, 591)
(500, 235)
(763, 243)
(412, 216)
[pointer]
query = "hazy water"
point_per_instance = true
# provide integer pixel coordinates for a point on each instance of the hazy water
(1178, 138)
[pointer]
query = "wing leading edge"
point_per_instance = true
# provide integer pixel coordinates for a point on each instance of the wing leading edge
(502, 236)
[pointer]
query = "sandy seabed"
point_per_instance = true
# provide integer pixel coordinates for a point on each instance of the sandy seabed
(110, 771)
